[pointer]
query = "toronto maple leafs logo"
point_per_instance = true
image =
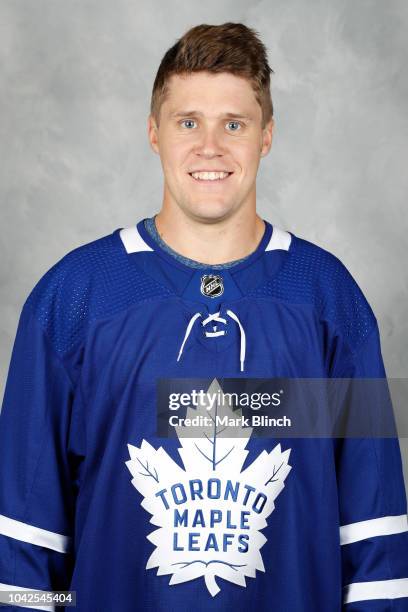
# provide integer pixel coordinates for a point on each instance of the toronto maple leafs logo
(209, 515)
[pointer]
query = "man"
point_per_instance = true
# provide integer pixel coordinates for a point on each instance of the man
(92, 497)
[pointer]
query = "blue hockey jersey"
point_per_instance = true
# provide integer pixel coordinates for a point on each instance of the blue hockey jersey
(93, 501)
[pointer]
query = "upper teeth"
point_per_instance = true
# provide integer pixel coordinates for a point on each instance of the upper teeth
(209, 176)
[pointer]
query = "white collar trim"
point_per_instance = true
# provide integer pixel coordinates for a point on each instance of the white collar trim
(280, 240)
(134, 243)
(132, 240)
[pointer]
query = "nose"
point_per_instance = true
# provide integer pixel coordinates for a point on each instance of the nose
(209, 144)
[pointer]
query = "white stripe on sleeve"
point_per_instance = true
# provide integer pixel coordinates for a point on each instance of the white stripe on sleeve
(385, 525)
(378, 589)
(33, 535)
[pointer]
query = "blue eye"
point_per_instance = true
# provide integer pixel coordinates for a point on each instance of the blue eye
(188, 123)
(236, 123)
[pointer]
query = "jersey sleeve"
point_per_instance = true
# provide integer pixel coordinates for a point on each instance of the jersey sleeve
(40, 453)
(372, 504)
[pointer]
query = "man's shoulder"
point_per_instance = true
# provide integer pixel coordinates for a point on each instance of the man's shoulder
(311, 273)
(79, 265)
(66, 294)
(314, 278)
(322, 276)
(315, 260)
(92, 281)
(89, 253)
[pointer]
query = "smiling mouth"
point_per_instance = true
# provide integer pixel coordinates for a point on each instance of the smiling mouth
(210, 176)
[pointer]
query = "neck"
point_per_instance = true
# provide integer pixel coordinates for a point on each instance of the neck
(214, 242)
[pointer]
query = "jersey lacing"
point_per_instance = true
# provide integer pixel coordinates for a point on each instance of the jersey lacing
(212, 334)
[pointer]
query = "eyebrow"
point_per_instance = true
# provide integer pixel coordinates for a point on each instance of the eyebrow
(200, 114)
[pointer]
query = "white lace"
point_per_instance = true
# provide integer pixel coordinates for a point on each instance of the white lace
(212, 334)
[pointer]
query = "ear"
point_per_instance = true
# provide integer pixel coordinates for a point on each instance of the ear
(152, 132)
(267, 137)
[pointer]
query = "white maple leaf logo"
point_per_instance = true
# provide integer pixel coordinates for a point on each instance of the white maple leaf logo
(210, 514)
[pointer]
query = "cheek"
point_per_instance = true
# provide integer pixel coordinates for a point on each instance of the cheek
(245, 149)
(170, 162)
(176, 156)
(248, 158)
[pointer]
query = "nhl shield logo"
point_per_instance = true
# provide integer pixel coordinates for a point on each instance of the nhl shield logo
(212, 285)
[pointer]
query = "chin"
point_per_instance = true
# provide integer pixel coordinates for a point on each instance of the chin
(209, 211)
(211, 216)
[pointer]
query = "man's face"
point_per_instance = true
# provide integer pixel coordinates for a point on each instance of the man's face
(210, 123)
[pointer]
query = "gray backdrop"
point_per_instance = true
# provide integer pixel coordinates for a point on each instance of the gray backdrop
(75, 83)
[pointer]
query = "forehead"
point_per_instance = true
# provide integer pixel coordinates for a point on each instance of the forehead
(205, 91)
